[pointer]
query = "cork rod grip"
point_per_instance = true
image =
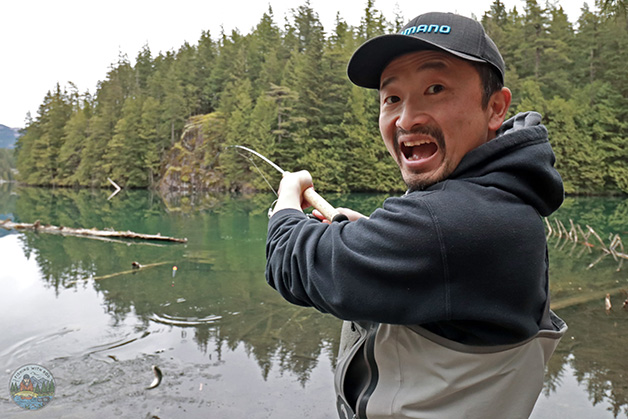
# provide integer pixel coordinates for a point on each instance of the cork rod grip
(323, 206)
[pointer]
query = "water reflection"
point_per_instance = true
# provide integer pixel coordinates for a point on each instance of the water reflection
(217, 303)
(595, 343)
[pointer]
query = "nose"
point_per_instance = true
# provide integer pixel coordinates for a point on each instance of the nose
(412, 114)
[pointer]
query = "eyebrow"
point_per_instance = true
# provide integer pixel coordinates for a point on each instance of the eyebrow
(435, 64)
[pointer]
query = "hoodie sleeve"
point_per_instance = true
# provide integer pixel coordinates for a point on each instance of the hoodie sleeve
(380, 269)
(467, 260)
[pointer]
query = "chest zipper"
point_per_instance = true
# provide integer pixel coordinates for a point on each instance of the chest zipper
(372, 371)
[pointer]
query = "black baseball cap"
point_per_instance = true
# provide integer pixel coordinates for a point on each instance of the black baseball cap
(455, 34)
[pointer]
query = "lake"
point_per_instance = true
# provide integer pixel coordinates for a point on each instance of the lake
(227, 344)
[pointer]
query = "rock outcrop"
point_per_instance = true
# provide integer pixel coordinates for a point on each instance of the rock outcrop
(190, 164)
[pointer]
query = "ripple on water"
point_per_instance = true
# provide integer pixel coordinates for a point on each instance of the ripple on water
(184, 321)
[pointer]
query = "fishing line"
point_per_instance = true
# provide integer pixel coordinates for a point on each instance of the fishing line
(311, 196)
(211, 165)
(272, 206)
(260, 172)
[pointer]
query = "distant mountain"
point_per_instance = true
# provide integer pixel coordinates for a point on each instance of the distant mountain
(8, 136)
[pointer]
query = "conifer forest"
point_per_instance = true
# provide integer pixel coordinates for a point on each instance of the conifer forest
(164, 120)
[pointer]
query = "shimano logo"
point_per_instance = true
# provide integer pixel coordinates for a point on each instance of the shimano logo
(427, 29)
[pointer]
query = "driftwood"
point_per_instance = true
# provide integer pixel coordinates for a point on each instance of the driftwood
(584, 298)
(84, 232)
(135, 267)
(577, 235)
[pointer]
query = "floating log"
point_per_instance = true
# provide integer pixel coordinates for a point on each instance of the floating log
(85, 232)
(134, 268)
(583, 298)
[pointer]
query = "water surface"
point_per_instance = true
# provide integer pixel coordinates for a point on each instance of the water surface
(227, 344)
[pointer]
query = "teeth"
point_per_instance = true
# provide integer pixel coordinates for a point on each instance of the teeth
(413, 150)
(415, 143)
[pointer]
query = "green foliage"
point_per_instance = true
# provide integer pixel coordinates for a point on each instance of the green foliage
(7, 164)
(284, 92)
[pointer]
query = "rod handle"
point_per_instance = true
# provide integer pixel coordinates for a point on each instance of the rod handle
(323, 206)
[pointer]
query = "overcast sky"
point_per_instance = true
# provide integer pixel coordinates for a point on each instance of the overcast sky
(45, 42)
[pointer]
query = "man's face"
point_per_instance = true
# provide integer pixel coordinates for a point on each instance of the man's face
(431, 114)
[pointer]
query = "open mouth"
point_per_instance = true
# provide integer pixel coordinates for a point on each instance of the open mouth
(418, 150)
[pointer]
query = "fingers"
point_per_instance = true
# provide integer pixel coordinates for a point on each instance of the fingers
(316, 213)
(302, 178)
(351, 215)
(291, 190)
(295, 183)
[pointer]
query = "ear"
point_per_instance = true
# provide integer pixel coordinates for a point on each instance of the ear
(498, 107)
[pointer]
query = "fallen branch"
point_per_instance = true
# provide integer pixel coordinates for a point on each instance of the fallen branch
(583, 298)
(84, 232)
(135, 268)
(597, 236)
(578, 236)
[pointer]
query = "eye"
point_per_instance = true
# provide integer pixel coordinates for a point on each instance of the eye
(391, 99)
(434, 89)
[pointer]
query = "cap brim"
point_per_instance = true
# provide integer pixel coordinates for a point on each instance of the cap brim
(370, 59)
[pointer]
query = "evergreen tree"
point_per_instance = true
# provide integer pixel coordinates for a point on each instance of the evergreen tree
(174, 106)
(110, 97)
(7, 164)
(373, 23)
(369, 167)
(76, 130)
(144, 68)
(263, 50)
(151, 142)
(125, 157)
(44, 150)
(535, 32)
(206, 57)
(25, 158)
(237, 105)
(556, 64)
(618, 8)
(229, 49)
(328, 156)
(185, 65)
(91, 171)
(587, 48)
(307, 77)
(262, 138)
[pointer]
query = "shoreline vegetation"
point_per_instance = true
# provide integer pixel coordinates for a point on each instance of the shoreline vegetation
(163, 122)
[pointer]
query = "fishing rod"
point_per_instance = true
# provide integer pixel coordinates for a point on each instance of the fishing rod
(317, 201)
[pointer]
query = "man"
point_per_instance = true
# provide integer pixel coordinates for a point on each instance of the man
(26, 385)
(444, 290)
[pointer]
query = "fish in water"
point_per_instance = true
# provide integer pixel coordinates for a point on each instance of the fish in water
(26, 394)
(158, 375)
(607, 303)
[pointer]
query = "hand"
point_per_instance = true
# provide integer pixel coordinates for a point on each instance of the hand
(290, 194)
(351, 215)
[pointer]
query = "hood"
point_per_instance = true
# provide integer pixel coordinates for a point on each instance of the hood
(518, 160)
